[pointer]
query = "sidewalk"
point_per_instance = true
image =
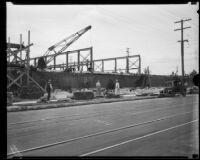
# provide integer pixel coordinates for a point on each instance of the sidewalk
(33, 105)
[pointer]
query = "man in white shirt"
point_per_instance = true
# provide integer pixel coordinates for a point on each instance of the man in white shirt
(98, 86)
(117, 88)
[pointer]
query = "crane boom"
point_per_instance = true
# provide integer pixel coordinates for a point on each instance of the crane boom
(66, 42)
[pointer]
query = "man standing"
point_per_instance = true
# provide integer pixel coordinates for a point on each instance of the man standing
(49, 88)
(98, 87)
(117, 88)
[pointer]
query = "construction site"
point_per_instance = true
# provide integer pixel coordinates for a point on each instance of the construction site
(27, 75)
(102, 80)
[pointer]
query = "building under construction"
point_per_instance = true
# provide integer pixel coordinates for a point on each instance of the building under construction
(26, 75)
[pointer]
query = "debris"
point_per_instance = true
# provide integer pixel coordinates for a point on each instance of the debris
(30, 92)
(78, 95)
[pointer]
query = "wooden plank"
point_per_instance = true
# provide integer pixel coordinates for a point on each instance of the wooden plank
(13, 80)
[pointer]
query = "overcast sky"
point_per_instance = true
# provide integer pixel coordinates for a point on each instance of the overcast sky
(147, 30)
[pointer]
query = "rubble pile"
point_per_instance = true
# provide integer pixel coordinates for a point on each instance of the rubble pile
(57, 95)
(79, 95)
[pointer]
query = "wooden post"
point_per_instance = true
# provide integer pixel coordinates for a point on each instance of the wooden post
(28, 60)
(21, 55)
(8, 52)
(139, 69)
(78, 60)
(91, 57)
(8, 49)
(93, 66)
(21, 47)
(54, 62)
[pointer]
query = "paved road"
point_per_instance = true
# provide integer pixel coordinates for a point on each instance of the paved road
(152, 127)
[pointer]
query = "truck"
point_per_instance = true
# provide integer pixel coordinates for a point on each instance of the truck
(173, 88)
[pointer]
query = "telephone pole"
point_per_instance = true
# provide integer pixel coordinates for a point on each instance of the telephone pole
(182, 47)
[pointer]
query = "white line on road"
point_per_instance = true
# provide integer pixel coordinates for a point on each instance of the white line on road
(15, 151)
(99, 133)
(99, 150)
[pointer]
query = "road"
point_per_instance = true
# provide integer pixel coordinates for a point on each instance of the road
(152, 127)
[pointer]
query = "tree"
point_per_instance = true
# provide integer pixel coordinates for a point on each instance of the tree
(41, 63)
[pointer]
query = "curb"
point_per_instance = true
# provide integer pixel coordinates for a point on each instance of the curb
(24, 107)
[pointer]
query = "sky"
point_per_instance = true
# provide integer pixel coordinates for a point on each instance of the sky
(147, 30)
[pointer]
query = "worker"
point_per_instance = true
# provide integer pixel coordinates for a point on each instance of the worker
(98, 87)
(48, 88)
(117, 87)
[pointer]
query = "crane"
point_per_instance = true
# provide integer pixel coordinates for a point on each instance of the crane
(64, 44)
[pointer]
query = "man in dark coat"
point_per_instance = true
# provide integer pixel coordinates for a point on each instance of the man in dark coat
(49, 88)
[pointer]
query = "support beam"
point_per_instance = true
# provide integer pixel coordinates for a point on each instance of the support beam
(8, 49)
(92, 65)
(127, 64)
(28, 59)
(21, 47)
(67, 60)
(110, 59)
(91, 59)
(139, 69)
(35, 63)
(54, 62)
(102, 63)
(45, 58)
(15, 80)
(10, 78)
(63, 53)
(115, 65)
(20, 55)
(78, 60)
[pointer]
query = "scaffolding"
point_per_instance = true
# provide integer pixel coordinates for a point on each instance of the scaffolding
(18, 64)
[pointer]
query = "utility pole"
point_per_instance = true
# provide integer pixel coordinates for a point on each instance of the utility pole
(182, 48)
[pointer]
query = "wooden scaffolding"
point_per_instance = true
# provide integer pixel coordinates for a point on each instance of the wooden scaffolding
(18, 64)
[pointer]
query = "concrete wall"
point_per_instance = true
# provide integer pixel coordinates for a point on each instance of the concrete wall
(64, 80)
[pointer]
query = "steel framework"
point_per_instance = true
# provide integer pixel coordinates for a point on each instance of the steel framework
(133, 62)
(61, 46)
(87, 58)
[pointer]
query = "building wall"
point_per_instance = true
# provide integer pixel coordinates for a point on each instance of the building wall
(63, 80)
